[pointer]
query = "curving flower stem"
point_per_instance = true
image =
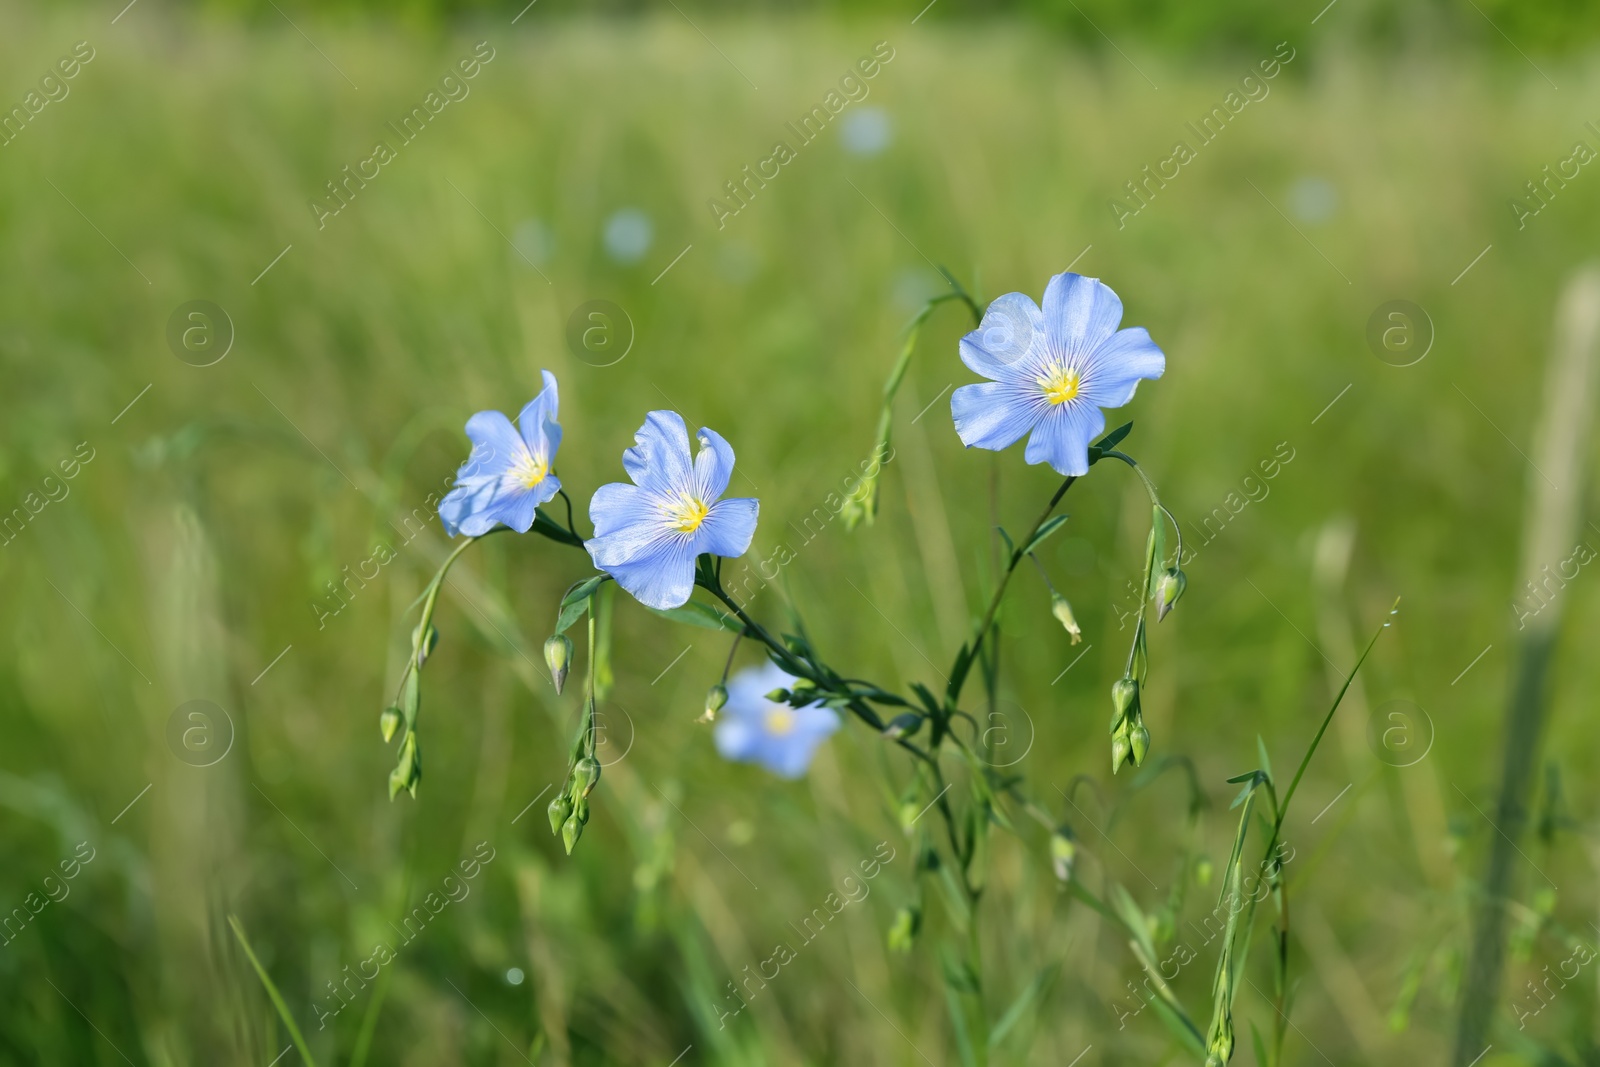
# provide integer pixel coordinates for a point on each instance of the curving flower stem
(431, 601)
(969, 652)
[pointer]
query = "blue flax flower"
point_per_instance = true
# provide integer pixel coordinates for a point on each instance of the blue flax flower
(1051, 371)
(507, 476)
(753, 729)
(647, 535)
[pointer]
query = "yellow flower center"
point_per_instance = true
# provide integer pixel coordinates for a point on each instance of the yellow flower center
(687, 513)
(530, 470)
(1060, 384)
(780, 721)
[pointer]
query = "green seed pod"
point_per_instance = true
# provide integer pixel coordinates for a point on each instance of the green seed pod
(560, 810)
(571, 830)
(779, 696)
(424, 643)
(1063, 852)
(584, 775)
(1124, 701)
(905, 724)
(1063, 612)
(389, 722)
(1169, 587)
(1138, 742)
(558, 657)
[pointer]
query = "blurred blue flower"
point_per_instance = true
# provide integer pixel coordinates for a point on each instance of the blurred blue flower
(866, 131)
(647, 535)
(753, 729)
(507, 476)
(1313, 199)
(533, 241)
(628, 235)
(1051, 372)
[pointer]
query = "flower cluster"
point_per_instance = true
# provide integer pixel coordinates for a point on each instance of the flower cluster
(1051, 371)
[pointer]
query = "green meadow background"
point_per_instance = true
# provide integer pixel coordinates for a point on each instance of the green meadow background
(189, 558)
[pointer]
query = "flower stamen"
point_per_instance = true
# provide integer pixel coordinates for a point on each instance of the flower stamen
(779, 721)
(1060, 384)
(530, 470)
(687, 512)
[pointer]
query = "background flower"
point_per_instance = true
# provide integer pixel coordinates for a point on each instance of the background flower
(508, 474)
(753, 729)
(1052, 371)
(647, 535)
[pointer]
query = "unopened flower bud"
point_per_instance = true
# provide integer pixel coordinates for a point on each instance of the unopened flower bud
(903, 725)
(1138, 743)
(558, 657)
(1063, 612)
(903, 932)
(909, 810)
(389, 722)
(1202, 871)
(571, 830)
(1119, 751)
(585, 774)
(1124, 700)
(425, 643)
(716, 699)
(1063, 853)
(1169, 587)
(560, 810)
(779, 696)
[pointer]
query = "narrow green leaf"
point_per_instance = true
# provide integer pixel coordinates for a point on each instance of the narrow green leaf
(1260, 1047)
(576, 602)
(705, 616)
(1109, 441)
(1031, 994)
(1044, 531)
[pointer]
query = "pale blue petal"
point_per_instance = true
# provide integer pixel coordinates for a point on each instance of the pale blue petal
(539, 421)
(737, 738)
(516, 508)
(1063, 436)
(1012, 326)
(1113, 371)
(660, 579)
(992, 415)
(461, 510)
(728, 527)
(713, 466)
(1079, 313)
(660, 457)
(496, 446)
(628, 523)
(747, 689)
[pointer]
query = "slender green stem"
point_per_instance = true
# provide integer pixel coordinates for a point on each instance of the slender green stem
(432, 601)
(959, 676)
(272, 992)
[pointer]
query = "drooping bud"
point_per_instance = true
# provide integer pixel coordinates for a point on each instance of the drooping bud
(425, 643)
(584, 775)
(1119, 751)
(389, 722)
(1124, 700)
(905, 724)
(1138, 742)
(716, 699)
(560, 810)
(903, 932)
(558, 657)
(1063, 853)
(1063, 612)
(571, 830)
(1169, 587)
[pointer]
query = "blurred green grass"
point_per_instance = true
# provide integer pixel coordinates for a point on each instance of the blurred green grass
(191, 549)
